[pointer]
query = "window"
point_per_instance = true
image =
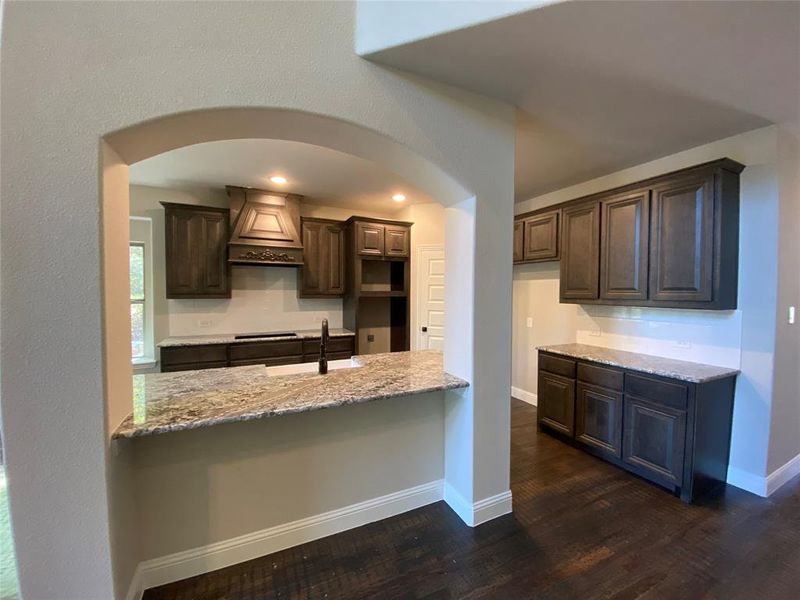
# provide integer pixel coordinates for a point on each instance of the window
(138, 312)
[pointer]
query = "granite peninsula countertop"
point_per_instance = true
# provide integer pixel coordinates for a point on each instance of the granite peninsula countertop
(190, 399)
(646, 363)
(230, 338)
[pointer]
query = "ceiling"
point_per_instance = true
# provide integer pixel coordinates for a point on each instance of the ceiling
(602, 85)
(322, 175)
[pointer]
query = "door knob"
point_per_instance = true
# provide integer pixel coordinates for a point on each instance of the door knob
(424, 330)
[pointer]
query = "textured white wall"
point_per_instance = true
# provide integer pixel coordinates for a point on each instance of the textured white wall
(742, 338)
(143, 61)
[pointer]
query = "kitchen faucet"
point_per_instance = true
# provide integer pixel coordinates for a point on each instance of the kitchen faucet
(323, 348)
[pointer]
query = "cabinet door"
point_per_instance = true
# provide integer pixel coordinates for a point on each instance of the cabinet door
(556, 402)
(598, 418)
(369, 239)
(333, 253)
(182, 240)
(580, 252)
(541, 237)
(397, 241)
(518, 240)
(196, 252)
(323, 259)
(624, 246)
(654, 440)
(682, 244)
(214, 280)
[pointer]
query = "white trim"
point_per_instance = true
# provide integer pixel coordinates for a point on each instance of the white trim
(136, 589)
(415, 326)
(782, 475)
(747, 481)
(174, 567)
(523, 395)
(764, 486)
(481, 511)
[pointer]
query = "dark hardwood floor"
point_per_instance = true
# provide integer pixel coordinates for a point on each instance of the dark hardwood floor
(581, 528)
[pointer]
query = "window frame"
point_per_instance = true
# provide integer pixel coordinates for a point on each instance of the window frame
(144, 357)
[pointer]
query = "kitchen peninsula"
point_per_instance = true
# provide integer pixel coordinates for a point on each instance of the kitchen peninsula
(192, 399)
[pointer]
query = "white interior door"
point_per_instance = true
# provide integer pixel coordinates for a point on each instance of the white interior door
(430, 295)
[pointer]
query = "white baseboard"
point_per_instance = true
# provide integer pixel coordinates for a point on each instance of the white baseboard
(523, 395)
(136, 589)
(782, 475)
(481, 511)
(174, 567)
(764, 486)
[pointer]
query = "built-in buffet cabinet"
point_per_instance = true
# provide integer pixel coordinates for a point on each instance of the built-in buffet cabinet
(673, 432)
(671, 241)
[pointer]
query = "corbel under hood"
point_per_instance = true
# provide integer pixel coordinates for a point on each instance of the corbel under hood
(265, 228)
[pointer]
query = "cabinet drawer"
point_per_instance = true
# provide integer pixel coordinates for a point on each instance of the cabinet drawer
(603, 376)
(180, 355)
(655, 390)
(266, 350)
(559, 366)
(340, 344)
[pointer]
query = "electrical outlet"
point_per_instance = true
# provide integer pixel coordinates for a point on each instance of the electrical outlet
(683, 344)
(204, 323)
(529, 322)
(595, 333)
(370, 338)
(791, 315)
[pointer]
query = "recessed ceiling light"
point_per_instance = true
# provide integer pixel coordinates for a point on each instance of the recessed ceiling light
(278, 179)
(398, 197)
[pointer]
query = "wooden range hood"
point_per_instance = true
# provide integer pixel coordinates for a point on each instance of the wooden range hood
(265, 228)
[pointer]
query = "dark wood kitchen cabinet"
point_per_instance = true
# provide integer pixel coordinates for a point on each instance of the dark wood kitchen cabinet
(322, 274)
(536, 236)
(519, 226)
(682, 248)
(376, 238)
(624, 241)
(262, 352)
(672, 432)
(196, 246)
(556, 402)
(671, 241)
(580, 252)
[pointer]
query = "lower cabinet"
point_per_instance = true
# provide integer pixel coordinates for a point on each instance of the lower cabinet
(599, 418)
(556, 402)
(268, 353)
(655, 440)
(671, 432)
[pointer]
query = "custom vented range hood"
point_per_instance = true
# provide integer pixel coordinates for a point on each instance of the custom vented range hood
(265, 228)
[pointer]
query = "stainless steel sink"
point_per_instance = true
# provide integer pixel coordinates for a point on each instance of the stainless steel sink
(312, 367)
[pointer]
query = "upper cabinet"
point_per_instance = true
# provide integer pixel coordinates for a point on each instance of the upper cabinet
(519, 228)
(671, 241)
(580, 252)
(536, 236)
(682, 247)
(625, 227)
(373, 237)
(322, 274)
(196, 245)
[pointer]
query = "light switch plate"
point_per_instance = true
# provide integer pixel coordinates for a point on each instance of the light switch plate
(791, 315)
